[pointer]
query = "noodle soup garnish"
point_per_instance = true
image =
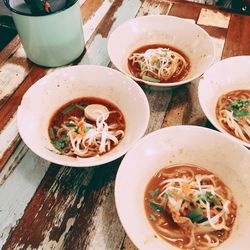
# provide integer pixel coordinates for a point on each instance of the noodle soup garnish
(190, 207)
(86, 127)
(233, 113)
(159, 63)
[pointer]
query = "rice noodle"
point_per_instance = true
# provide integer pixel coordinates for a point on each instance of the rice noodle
(78, 136)
(162, 64)
(199, 208)
(233, 113)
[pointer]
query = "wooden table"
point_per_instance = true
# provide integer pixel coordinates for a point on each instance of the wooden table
(47, 206)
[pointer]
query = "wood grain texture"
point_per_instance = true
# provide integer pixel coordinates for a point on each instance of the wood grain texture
(238, 36)
(185, 10)
(18, 181)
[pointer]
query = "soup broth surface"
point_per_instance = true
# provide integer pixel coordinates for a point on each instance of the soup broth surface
(75, 133)
(159, 63)
(175, 204)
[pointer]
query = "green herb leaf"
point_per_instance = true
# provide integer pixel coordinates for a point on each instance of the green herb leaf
(241, 113)
(156, 207)
(209, 197)
(236, 105)
(59, 143)
(152, 217)
(154, 192)
(150, 79)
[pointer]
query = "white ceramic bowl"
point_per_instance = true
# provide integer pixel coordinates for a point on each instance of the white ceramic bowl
(175, 145)
(182, 34)
(52, 91)
(224, 76)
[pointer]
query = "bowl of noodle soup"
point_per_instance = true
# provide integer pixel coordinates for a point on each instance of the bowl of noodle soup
(224, 95)
(161, 51)
(190, 189)
(83, 115)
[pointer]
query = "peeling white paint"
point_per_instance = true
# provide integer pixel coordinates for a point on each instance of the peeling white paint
(107, 229)
(213, 18)
(18, 189)
(218, 47)
(90, 26)
(152, 9)
(11, 75)
(20, 53)
(97, 52)
(8, 135)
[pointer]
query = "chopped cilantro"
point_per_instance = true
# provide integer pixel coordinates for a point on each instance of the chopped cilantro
(59, 143)
(240, 108)
(240, 113)
(209, 197)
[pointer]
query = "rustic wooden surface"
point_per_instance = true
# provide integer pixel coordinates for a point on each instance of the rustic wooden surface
(46, 206)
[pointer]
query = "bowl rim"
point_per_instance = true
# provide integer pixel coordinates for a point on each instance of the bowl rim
(179, 19)
(119, 175)
(99, 161)
(201, 88)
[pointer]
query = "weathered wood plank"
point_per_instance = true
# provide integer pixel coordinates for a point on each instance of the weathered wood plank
(214, 18)
(18, 182)
(93, 12)
(237, 42)
(185, 10)
(9, 140)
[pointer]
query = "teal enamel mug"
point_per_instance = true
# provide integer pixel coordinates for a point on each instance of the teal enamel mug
(50, 40)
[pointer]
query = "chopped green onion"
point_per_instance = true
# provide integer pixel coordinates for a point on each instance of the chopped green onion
(67, 109)
(154, 192)
(156, 207)
(152, 217)
(80, 107)
(52, 133)
(150, 79)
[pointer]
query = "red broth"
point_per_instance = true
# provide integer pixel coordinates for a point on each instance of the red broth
(174, 233)
(135, 69)
(71, 109)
